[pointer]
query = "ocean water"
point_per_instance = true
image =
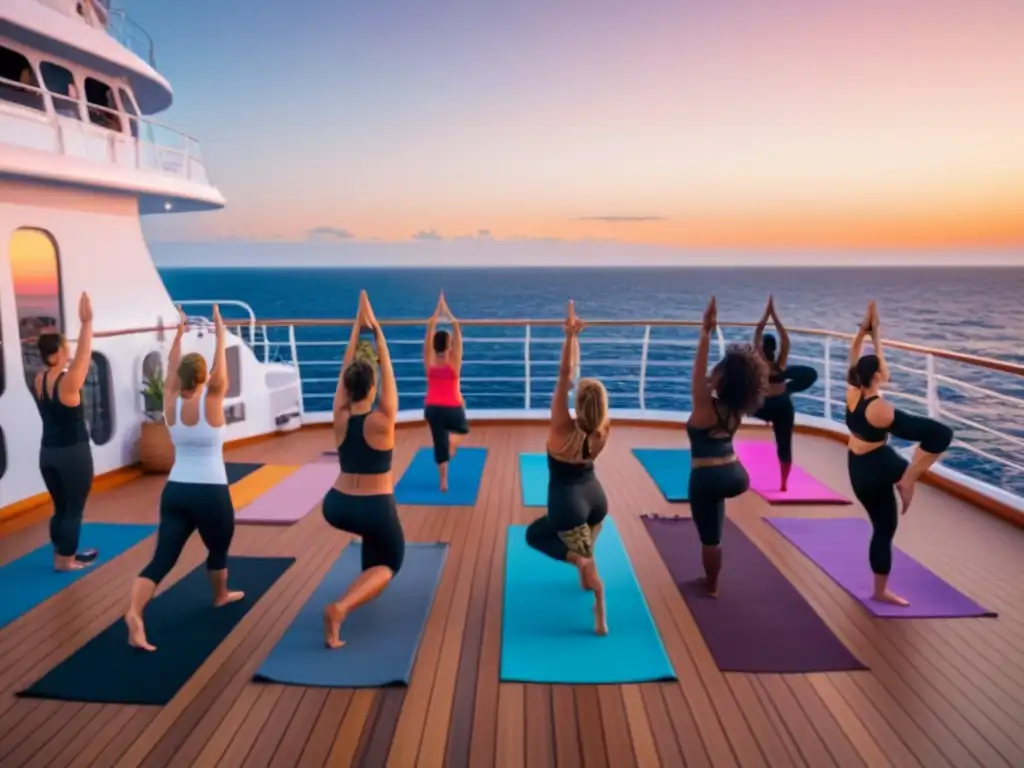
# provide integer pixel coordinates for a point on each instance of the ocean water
(976, 312)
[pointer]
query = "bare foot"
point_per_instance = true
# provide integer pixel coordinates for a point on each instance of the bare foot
(333, 616)
(709, 586)
(906, 493)
(65, 564)
(444, 486)
(137, 632)
(889, 597)
(600, 613)
(226, 598)
(783, 489)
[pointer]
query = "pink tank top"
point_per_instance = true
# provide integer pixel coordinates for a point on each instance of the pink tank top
(443, 386)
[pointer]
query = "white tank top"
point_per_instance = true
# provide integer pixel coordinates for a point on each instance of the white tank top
(198, 450)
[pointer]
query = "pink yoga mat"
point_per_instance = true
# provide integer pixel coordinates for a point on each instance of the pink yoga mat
(292, 498)
(762, 464)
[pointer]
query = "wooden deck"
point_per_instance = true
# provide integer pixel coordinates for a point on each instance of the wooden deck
(940, 693)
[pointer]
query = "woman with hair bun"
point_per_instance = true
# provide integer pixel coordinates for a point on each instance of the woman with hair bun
(577, 505)
(362, 501)
(196, 496)
(445, 408)
(65, 456)
(736, 388)
(877, 472)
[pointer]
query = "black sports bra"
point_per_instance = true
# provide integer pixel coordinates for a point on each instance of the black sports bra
(708, 442)
(356, 456)
(775, 374)
(859, 426)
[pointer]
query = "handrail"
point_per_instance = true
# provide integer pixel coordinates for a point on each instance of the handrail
(989, 363)
(122, 36)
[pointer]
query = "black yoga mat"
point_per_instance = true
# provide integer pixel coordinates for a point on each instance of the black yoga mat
(183, 625)
(238, 470)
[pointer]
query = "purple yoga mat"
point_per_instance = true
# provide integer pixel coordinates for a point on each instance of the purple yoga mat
(839, 547)
(759, 622)
(762, 464)
(292, 498)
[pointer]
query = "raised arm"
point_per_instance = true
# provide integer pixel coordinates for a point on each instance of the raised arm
(219, 375)
(570, 352)
(456, 357)
(701, 391)
(340, 393)
(74, 379)
(172, 386)
(857, 345)
(428, 343)
(783, 355)
(387, 392)
(876, 342)
(761, 325)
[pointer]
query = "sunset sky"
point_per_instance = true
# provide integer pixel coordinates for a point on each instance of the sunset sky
(745, 124)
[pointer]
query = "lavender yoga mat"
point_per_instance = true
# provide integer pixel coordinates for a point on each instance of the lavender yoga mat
(292, 498)
(762, 464)
(839, 547)
(759, 622)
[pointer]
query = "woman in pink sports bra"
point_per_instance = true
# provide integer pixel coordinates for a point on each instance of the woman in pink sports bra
(444, 409)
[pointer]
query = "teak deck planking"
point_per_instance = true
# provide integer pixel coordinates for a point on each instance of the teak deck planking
(939, 693)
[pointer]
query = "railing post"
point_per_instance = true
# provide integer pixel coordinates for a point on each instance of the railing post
(828, 378)
(932, 394)
(266, 345)
(643, 365)
(526, 369)
(721, 340)
(295, 361)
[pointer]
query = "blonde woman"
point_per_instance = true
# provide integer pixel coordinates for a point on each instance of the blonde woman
(577, 505)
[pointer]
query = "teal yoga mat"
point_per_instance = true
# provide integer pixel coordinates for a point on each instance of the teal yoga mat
(533, 477)
(30, 580)
(419, 485)
(548, 625)
(381, 637)
(669, 468)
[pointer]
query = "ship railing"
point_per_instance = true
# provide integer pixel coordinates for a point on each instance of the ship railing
(130, 34)
(37, 118)
(646, 366)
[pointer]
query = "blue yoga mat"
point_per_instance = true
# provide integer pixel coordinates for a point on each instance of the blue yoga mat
(419, 485)
(30, 580)
(533, 473)
(381, 637)
(548, 626)
(669, 468)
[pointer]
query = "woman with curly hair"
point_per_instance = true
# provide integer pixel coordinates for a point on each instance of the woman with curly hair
(736, 388)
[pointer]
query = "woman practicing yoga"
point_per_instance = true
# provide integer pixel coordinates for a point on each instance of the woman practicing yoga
(736, 387)
(576, 502)
(876, 470)
(65, 456)
(445, 409)
(196, 496)
(782, 382)
(362, 501)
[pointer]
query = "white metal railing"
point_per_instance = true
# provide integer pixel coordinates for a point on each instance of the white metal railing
(648, 367)
(36, 118)
(130, 34)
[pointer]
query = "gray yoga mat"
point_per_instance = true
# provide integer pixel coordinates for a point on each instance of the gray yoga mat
(381, 638)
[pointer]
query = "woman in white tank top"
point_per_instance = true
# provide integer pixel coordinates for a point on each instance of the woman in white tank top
(197, 496)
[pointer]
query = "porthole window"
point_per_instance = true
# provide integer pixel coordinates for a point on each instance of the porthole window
(152, 379)
(3, 453)
(98, 400)
(35, 272)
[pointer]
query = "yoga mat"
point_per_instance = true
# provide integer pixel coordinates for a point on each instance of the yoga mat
(419, 485)
(839, 547)
(238, 470)
(381, 637)
(759, 622)
(255, 484)
(548, 626)
(30, 580)
(291, 499)
(183, 625)
(669, 468)
(762, 464)
(533, 475)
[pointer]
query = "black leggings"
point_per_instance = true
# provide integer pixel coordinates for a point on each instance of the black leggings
(779, 412)
(709, 488)
(574, 510)
(375, 520)
(444, 420)
(874, 476)
(67, 473)
(187, 507)
(799, 378)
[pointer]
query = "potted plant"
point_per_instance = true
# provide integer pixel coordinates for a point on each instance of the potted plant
(156, 451)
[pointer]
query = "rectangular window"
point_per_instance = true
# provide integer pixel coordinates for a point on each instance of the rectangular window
(102, 107)
(15, 72)
(61, 84)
